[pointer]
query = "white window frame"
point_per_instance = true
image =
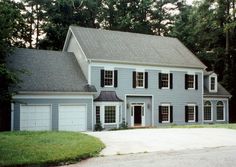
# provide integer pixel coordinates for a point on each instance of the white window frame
(211, 111)
(166, 105)
(194, 108)
(137, 79)
(193, 81)
(223, 111)
(109, 86)
(110, 123)
(210, 89)
(168, 87)
(102, 112)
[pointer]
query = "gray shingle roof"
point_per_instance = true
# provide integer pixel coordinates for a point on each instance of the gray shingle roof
(48, 71)
(134, 48)
(221, 92)
(108, 96)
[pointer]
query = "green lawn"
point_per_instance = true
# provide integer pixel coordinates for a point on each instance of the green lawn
(228, 126)
(24, 148)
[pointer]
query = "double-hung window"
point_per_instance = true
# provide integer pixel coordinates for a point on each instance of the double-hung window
(165, 80)
(213, 83)
(108, 78)
(140, 79)
(191, 113)
(191, 81)
(98, 114)
(110, 114)
(165, 113)
(207, 111)
(220, 111)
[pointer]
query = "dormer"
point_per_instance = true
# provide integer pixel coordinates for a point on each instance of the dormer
(210, 81)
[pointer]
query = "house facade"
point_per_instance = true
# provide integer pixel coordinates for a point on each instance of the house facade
(110, 77)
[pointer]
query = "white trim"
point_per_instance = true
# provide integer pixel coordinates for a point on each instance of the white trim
(143, 95)
(36, 104)
(92, 115)
(213, 76)
(227, 107)
(168, 87)
(223, 111)
(211, 111)
(75, 104)
(202, 97)
(168, 105)
(139, 65)
(136, 86)
(113, 78)
(147, 67)
(12, 116)
(142, 105)
(194, 80)
(68, 35)
(215, 98)
(19, 96)
(194, 107)
(89, 73)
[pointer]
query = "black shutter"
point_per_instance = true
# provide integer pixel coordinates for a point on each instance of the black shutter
(102, 78)
(146, 80)
(171, 114)
(186, 113)
(186, 81)
(160, 115)
(171, 81)
(196, 109)
(134, 79)
(196, 82)
(160, 85)
(115, 78)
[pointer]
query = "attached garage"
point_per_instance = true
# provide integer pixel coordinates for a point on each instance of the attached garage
(72, 118)
(35, 117)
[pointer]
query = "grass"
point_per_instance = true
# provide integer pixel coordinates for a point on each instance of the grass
(46, 148)
(228, 126)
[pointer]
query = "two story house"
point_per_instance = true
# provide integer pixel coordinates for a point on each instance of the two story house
(110, 77)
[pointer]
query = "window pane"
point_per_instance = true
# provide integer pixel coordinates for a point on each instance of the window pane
(164, 80)
(220, 110)
(165, 113)
(139, 79)
(108, 78)
(191, 113)
(110, 114)
(213, 83)
(97, 114)
(207, 111)
(190, 81)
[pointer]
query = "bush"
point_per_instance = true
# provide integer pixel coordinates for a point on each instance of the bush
(124, 125)
(98, 127)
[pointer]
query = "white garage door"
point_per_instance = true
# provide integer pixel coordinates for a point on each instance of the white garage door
(72, 118)
(35, 117)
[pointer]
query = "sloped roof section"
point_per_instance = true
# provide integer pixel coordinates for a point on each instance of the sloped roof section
(125, 47)
(108, 96)
(48, 71)
(221, 92)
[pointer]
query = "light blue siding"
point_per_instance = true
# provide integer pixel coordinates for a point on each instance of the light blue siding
(178, 97)
(55, 106)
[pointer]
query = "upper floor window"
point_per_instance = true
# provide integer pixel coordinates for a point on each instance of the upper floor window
(165, 80)
(213, 83)
(191, 81)
(220, 111)
(207, 111)
(140, 79)
(109, 78)
(191, 113)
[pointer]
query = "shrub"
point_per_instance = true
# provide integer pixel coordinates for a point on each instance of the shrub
(98, 127)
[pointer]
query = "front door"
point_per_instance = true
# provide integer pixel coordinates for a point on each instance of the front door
(137, 116)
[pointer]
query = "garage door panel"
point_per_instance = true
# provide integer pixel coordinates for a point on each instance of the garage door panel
(72, 118)
(35, 117)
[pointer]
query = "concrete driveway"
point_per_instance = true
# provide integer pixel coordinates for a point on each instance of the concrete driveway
(152, 140)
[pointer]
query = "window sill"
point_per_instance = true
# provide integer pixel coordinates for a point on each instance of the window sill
(165, 88)
(110, 124)
(165, 122)
(207, 120)
(220, 120)
(108, 86)
(192, 121)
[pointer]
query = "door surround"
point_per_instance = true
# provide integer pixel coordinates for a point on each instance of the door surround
(132, 114)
